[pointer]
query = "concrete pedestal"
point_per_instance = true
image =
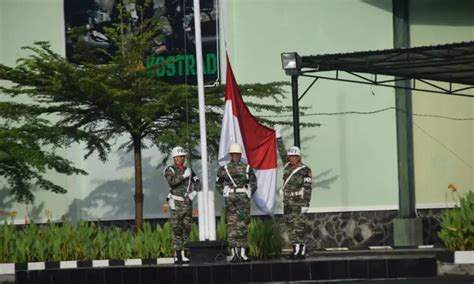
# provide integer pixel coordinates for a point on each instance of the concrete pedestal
(407, 232)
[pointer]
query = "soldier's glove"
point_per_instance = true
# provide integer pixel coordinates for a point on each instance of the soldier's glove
(249, 193)
(192, 194)
(195, 179)
(277, 129)
(226, 192)
(304, 209)
(165, 207)
(171, 204)
(187, 173)
(281, 193)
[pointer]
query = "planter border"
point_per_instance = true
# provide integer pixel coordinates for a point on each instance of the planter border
(456, 257)
(11, 268)
(7, 268)
(464, 257)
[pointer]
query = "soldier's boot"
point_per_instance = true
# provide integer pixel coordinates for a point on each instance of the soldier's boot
(178, 257)
(235, 255)
(296, 250)
(243, 255)
(302, 252)
(183, 257)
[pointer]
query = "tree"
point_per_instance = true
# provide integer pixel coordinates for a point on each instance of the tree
(120, 97)
(24, 155)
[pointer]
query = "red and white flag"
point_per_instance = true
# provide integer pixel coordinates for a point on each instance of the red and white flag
(259, 143)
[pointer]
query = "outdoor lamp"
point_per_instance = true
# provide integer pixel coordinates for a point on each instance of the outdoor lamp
(291, 63)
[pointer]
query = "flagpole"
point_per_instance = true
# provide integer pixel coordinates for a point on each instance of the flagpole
(202, 126)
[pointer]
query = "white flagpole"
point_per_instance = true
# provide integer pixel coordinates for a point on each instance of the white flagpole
(202, 125)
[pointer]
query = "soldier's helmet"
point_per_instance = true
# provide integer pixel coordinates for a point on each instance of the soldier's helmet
(235, 148)
(178, 151)
(294, 151)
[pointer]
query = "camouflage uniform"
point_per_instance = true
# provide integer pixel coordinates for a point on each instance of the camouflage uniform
(237, 204)
(182, 214)
(296, 194)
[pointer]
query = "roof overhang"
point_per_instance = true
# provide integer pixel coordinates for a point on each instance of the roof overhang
(445, 69)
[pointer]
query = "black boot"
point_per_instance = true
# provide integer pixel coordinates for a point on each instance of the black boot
(243, 255)
(178, 257)
(296, 250)
(235, 255)
(302, 252)
(184, 257)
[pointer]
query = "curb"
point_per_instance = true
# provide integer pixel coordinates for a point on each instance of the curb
(11, 268)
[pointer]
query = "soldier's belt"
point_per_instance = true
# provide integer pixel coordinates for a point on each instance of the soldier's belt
(228, 191)
(297, 193)
(176, 197)
(241, 190)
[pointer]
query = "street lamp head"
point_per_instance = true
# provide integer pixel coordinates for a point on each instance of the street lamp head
(291, 63)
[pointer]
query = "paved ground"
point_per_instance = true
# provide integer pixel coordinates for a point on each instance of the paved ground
(465, 279)
(7, 279)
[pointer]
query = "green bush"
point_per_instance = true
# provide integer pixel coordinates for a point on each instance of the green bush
(53, 237)
(88, 241)
(7, 241)
(221, 230)
(166, 239)
(28, 247)
(120, 244)
(194, 236)
(457, 224)
(264, 238)
(146, 243)
(81, 240)
(68, 242)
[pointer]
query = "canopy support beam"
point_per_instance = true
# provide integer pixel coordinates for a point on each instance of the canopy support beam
(407, 229)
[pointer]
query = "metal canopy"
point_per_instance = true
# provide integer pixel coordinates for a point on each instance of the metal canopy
(428, 68)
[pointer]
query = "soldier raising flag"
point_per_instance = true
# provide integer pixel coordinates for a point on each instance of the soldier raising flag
(297, 179)
(183, 184)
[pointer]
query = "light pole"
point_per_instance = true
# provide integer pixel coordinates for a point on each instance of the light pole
(291, 63)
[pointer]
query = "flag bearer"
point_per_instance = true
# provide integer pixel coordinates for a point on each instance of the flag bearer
(237, 183)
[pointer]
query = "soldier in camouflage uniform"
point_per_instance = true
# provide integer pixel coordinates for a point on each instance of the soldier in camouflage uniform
(237, 183)
(183, 186)
(297, 179)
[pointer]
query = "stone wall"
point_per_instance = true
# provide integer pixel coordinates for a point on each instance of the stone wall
(364, 228)
(343, 229)
(350, 229)
(430, 218)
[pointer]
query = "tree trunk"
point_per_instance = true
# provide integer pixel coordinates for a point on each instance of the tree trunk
(137, 155)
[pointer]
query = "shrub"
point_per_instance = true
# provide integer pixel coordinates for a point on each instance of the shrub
(221, 230)
(146, 243)
(264, 238)
(194, 235)
(7, 241)
(457, 224)
(166, 239)
(88, 241)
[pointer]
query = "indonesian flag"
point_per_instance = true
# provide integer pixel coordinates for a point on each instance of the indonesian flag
(259, 143)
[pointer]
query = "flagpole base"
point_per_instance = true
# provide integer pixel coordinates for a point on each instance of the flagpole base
(207, 251)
